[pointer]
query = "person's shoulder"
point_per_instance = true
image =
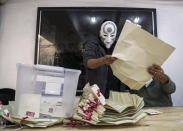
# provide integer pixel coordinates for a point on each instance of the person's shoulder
(92, 41)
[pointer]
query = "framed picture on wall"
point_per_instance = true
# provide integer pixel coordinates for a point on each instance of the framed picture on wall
(62, 31)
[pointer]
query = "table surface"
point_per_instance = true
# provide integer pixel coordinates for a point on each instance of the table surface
(170, 120)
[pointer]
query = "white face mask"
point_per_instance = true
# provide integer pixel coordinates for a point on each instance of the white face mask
(108, 33)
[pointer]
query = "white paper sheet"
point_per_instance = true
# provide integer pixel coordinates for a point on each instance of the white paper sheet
(53, 88)
(53, 84)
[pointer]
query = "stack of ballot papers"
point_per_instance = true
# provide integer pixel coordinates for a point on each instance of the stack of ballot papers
(136, 50)
(121, 108)
(91, 105)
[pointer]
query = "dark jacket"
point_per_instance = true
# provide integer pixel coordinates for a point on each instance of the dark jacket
(93, 50)
(102, 76)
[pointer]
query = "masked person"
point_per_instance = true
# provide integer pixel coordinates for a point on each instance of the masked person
(97, 58)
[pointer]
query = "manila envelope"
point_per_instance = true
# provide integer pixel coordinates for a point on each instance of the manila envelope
(136, 50)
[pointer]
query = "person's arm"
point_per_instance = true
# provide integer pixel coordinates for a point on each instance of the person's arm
(169, 87)
(95, 63)
(166, 83)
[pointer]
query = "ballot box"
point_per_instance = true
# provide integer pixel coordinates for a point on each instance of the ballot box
(45, 91)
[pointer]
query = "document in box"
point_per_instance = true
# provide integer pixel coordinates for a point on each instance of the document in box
(136, 50)
(53, 86)
(52, 105)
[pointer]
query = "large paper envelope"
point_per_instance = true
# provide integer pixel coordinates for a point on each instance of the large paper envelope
(136, 50)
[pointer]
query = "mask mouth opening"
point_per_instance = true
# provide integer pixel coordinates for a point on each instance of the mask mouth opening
(108, 46)
(108, 33)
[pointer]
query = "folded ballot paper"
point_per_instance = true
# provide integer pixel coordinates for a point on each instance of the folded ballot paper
(120, 108)
(136, 50)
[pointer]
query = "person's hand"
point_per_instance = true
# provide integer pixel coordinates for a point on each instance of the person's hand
(108, 59)
(158, 73)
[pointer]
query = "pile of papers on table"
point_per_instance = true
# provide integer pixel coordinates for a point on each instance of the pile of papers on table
(123, 107)
(6, 113)
(93, 108)
(120, 108)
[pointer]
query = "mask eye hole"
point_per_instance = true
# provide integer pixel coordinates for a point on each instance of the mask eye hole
(112, 35)
(105, 35)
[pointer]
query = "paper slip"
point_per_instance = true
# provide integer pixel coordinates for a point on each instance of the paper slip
(152, 112)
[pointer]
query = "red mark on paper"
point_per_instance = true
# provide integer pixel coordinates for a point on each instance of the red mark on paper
(87, 118)
(8, 114)
(28, 113)
(50, 110)
(98, 92)
(24, 118)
